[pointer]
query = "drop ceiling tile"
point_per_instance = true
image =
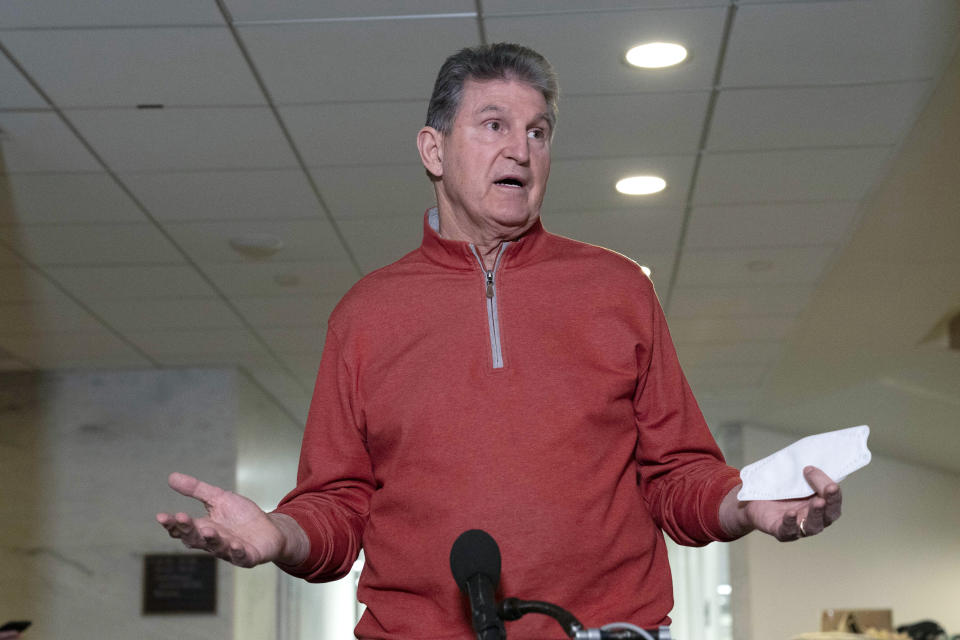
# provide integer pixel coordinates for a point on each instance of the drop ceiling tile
(41, 198)
(660, 264)
(739, 300)
(186, 346)
(91, 13)
(257, 356)
(725, 376)
(787, 265)
(7, 257)
(91, 244)
(179, 139)
(783, 176)
(703, 355)
(22, 284)
(225, 195)
(286, 311)
(577, 185)
(40, 141)
(248, 10)
(356, 133)
(283, 278)
(159, 315)
(15, 91)
(376, 242)
(131, 282)
(278, 382)
(304, 366)
(770, 225)
(12, 364)
(726, 330)
(72, 350)
(375, 190)
(815, 116)
(630, 125)
(302, 240)
(839, 42)
(627, 231)
(126, 67)
(51, 314)
(508, 7)
(302, 340)
(387, 59)
(608, 36)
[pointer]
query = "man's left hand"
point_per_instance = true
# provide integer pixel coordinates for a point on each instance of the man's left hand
(785, 520)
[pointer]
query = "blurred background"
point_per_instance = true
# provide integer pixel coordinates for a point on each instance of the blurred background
(187, 188)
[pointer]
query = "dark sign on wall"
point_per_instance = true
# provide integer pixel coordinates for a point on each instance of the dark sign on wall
(179, 583)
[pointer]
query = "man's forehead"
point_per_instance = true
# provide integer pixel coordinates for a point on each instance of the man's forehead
(502, 96)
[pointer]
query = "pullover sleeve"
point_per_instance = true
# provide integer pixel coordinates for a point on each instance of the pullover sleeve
(334, 478)
(682, 473)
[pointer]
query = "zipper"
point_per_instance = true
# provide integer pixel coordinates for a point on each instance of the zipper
(493, 321)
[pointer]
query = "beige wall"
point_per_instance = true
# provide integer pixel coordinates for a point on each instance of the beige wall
(268, 446)
(83, 463)
(897, 546)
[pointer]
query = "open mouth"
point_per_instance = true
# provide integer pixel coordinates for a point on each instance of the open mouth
(509, 182)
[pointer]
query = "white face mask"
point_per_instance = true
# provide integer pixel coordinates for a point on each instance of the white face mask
(779, 476)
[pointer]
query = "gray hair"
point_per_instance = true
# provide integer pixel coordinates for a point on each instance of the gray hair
(500, 61)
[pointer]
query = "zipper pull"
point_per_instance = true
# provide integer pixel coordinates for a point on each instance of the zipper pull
(490, 284)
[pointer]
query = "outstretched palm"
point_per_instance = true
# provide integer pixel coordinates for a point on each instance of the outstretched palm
(235, 528)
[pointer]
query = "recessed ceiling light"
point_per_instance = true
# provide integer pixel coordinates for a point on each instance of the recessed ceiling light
(641, 185)
(656, 55)
(256, 245)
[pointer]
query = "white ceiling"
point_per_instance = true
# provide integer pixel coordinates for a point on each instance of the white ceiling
(297, 119)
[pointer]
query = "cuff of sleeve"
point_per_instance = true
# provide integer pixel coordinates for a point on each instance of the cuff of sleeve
(314, 557)
(721, 486)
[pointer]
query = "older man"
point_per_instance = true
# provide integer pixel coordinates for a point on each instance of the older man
(503, 378)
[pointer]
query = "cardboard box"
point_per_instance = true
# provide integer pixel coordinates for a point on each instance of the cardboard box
(856, 620)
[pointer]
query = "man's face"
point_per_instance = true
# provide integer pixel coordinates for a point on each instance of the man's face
(495, 159)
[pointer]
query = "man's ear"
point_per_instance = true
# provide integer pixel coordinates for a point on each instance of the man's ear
(430, 145)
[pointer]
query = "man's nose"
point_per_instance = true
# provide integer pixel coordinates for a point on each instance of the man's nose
(518, 147)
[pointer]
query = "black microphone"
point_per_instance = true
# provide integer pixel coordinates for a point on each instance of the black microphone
(475, 563)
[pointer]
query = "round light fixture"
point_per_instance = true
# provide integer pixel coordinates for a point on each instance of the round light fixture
(256, 246)
(656, 55)
(641, 185)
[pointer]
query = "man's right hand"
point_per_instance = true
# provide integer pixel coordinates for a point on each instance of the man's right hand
(235, 528)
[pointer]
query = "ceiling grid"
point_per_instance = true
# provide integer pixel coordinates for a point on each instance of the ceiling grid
(295, 122)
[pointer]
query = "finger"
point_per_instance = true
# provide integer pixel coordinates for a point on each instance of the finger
(833, 509)
(213, 542)
(186, 530)
(238, 555)
(789, 528)
(813, 521)
(820, 482)
(193, 488)
(168, 522)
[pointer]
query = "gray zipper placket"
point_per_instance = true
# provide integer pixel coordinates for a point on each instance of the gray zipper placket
(492, 320)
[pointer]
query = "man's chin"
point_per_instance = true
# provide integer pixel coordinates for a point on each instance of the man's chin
(516, 222)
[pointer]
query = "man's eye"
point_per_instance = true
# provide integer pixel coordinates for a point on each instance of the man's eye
(494, 125)
(536, 134)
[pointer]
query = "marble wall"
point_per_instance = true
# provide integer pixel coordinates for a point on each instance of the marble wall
(83, 463)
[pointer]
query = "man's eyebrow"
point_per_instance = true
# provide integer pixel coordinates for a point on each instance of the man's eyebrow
(490, 107)
(495, 108)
